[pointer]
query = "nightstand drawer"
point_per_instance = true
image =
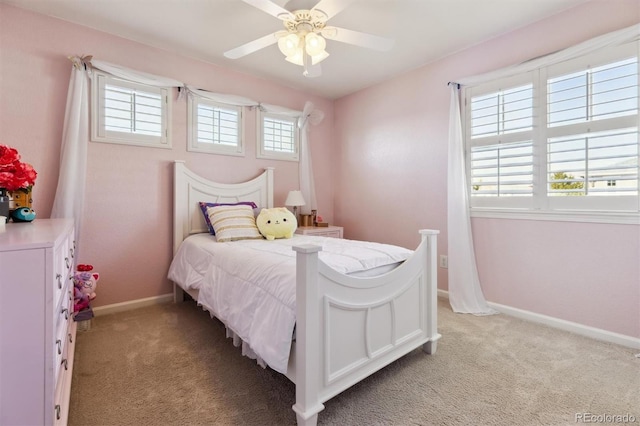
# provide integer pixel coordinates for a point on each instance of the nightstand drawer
(321, 231)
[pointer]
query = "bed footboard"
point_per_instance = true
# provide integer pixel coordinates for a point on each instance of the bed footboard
(348, 328)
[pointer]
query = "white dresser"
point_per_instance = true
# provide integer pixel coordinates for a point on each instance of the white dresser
(37, 331)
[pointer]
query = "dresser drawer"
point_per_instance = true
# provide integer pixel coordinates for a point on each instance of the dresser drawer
(321, 231)
(333, 234)
(63, 379)
(63, 267)
(60, 348)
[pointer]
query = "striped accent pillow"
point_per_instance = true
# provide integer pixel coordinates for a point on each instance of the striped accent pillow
(233, 223)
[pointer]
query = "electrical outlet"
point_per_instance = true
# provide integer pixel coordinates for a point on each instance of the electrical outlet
(444, 261)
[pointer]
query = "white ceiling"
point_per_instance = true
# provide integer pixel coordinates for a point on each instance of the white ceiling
(423, 30)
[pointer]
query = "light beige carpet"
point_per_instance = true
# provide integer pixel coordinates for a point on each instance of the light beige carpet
(172, 365)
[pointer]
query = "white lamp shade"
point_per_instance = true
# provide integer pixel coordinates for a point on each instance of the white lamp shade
(288, 44)
(314, 44)
(295, 199)
(316, 59)
(297, 57)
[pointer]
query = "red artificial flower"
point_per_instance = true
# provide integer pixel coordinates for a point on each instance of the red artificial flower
(8, 156)
(15, 174)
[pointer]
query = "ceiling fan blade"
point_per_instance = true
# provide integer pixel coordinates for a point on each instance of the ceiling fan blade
(271, 8)
(251, 47)
(357, 38)
(332, 7)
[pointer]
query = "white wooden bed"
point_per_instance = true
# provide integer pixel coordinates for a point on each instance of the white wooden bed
(346, 327)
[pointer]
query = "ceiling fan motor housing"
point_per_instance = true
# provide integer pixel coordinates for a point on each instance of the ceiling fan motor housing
(306, 21)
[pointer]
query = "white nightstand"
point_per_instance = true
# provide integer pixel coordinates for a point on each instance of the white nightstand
(323, 231)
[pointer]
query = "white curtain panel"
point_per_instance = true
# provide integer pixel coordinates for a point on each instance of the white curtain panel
(223, 98)
(310, 115)
(69, 198)
(133, 75)
(465, 293)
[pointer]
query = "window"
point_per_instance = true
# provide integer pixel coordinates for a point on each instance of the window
(561, 138)
(278, 136)
(129, 113)
(213, 127)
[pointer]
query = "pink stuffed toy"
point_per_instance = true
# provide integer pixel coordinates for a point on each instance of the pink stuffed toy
(80, 300)
(84, 282)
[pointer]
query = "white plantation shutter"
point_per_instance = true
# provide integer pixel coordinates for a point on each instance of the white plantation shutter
(214, 127)
(592, 144)
(500, 131)
(129, 113)
(568, 140)
(503, 169)
(589, 95)
(603, 163)
(278, 137)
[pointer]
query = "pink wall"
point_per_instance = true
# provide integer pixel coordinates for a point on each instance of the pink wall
(391, 181)
(127, 224)
(380, 161)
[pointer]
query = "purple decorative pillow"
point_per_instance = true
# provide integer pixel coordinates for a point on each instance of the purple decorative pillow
(204, 205)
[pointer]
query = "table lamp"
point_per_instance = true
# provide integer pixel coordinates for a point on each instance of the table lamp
(295, 199)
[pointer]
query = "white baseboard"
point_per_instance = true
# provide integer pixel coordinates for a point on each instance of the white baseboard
(132, 304)
(573, 327)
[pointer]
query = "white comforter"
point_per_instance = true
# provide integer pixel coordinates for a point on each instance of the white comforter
(250, 285)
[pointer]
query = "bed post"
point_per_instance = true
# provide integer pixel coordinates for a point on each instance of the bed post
(431, 237)
(308, 336)
(180, 217)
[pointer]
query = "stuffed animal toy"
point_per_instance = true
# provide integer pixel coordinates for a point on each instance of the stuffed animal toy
(80, 300)
(86, 281)
(277, 222)
(23, 214)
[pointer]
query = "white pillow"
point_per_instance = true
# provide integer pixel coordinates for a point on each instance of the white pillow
(233, 223)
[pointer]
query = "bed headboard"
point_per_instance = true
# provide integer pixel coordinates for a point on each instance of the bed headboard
(189, 189)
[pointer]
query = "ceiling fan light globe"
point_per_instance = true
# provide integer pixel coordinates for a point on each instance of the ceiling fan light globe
(297, 57)
(316, 59)
(314, 44)
(288, 44)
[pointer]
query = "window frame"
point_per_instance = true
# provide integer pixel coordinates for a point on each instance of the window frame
(261, 151)
(193, 145)
(99, 133)
(541, 205)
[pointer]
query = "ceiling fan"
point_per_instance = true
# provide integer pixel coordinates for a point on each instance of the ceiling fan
(303, 39)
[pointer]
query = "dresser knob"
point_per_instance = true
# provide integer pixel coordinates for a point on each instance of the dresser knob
(59, 344)
(57, 411)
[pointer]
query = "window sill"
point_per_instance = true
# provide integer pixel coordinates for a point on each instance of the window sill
(625, 218)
